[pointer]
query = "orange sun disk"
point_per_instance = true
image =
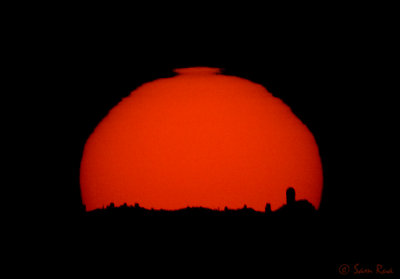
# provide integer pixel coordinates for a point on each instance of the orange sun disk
(200, 138)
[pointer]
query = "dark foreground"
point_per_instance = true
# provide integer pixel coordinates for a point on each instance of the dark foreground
(293, 242)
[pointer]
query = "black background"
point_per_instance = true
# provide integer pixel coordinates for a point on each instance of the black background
(334, 75)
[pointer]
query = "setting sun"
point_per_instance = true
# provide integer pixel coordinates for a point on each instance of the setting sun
(200, 138)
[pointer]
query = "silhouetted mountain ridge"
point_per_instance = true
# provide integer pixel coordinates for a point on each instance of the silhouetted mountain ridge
(188, 211)
(300, 208)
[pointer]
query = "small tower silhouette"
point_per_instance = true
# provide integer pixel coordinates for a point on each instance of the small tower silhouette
(290, 196)
(268, 208)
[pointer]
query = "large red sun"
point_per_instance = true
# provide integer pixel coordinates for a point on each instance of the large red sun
(200, 139)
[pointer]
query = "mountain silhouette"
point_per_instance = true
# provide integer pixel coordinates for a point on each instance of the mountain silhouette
(292, 208)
